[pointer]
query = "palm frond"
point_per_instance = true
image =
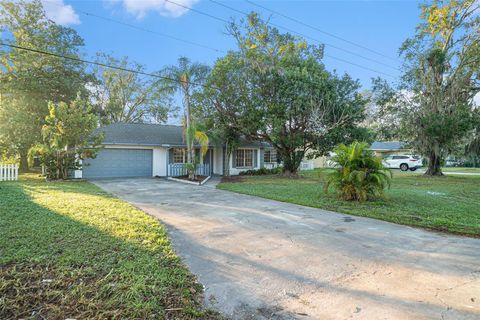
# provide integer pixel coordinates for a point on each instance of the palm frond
(360, 175)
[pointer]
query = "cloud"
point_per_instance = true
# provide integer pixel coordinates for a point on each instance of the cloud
(164, 8)
(61, 13)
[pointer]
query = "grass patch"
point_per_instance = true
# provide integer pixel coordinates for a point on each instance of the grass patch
(461, 169)
(449, 203)
(70, 250)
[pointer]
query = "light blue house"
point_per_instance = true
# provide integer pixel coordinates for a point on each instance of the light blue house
(149, 150)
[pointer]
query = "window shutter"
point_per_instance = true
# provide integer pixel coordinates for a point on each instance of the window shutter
(170, 156)
(234, 158)
(262, 157)
(255, 158)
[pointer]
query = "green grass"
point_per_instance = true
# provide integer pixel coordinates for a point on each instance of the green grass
(460, 169)
(70, 250)
(450, 203)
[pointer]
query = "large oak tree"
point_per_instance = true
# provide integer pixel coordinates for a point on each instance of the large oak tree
(434, 103)
(274, 88)
(29, 81)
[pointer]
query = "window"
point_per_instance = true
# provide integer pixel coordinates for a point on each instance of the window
(179, 155)
(244, 158)
(270, 156)
(400, 157)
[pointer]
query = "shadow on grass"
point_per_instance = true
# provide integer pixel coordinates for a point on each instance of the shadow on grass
(69, 250)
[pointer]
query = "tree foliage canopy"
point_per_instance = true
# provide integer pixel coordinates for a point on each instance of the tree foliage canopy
(274, 88)
(123, 96)
(28, 80)
(67, 136)
(442, 62)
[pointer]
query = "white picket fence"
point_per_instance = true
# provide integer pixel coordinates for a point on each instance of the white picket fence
(8, 172)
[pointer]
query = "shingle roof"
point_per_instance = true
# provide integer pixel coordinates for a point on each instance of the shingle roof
(142, 134)
(387, 145)
(145, 134)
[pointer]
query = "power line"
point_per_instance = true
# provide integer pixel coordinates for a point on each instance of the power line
(226, 21)
(198, 11)
(142, 29)
(320, 30)
(331, 57)
(309, 37)
(103, 65)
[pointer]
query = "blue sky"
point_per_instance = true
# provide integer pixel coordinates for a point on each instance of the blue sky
(379, 25)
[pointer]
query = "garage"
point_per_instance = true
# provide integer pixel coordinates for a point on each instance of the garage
(117, 163)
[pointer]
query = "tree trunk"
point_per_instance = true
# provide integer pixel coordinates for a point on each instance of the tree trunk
(188, 120)
(23, 162)
(434, 168)
(290, 163)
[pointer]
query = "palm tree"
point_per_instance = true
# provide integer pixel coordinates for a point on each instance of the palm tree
(186, 77)
(360, 175)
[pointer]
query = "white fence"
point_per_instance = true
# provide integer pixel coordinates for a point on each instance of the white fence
(8, 172)
(307, 165)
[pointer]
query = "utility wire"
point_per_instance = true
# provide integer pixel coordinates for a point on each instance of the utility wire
(103, 65)
(309, 37)
(142, 29)
(226, 21)
(329, 56)
(320, 30)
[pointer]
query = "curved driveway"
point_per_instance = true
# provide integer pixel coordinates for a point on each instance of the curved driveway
(263, 259)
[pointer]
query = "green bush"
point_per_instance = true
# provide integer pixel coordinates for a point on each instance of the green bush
(360, 175)
(261, 172)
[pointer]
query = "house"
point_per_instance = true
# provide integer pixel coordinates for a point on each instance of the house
(149, 150)
(385, 148)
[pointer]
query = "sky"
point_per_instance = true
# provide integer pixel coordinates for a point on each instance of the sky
(361, 37)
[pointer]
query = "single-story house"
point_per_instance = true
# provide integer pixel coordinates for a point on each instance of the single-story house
(385, 148)
(149, 150)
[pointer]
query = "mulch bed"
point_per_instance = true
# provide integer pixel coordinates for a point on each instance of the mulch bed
(197, 178)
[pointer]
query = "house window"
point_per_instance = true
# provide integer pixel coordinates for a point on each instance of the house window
(244, 158)
(179, 155)
(270, 156)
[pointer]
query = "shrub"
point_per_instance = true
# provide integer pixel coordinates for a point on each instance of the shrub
(261, 172)
(360, 175)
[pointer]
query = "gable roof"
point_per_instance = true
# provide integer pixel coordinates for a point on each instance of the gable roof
(387, 145)
(148, 134)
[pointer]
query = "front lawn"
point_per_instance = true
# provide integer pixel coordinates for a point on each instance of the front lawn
(460, 169)
(450, 203)
(70, 250)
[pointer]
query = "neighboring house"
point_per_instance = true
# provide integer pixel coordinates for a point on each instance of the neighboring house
(385, 148)
(149, 150)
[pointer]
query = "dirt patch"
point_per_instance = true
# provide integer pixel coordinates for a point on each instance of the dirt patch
(33, 291)
(232, 179)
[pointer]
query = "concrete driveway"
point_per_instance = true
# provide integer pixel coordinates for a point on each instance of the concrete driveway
(263, 259)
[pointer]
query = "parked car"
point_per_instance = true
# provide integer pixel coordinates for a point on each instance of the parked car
(403, 162)
(454, 163)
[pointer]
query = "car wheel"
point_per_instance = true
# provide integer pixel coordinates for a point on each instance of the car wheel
(404, 167)
(413, 169)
